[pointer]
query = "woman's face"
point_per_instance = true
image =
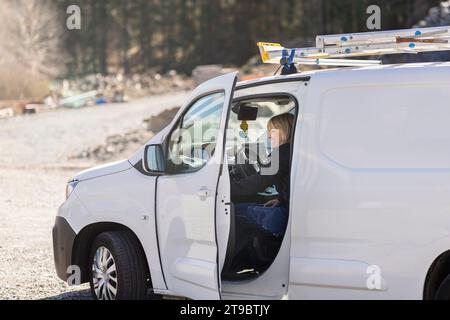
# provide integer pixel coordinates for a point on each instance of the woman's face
(274, 136)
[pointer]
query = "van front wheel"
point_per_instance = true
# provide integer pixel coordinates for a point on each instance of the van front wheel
(117, 267)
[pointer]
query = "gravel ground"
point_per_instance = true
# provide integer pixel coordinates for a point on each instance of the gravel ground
(34, 169)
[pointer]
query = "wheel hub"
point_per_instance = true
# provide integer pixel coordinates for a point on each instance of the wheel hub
(104, 275)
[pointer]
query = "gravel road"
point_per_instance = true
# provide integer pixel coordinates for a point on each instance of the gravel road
(34, 169)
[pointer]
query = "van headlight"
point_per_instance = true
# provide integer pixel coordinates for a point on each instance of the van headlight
(70, 187)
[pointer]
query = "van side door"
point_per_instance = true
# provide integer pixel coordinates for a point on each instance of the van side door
(186, 193)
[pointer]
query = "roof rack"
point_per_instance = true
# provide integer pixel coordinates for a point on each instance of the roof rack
(330, 48)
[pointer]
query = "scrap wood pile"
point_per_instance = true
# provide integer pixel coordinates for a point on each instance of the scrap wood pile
(96, 90)
(9, 108)
(99, 89)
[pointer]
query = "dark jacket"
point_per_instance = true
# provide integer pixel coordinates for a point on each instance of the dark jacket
(258, 183)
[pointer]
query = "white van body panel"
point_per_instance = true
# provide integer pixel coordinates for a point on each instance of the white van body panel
(103, 170)
(371, 183)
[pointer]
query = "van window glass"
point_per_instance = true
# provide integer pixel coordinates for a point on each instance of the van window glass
(193, 142)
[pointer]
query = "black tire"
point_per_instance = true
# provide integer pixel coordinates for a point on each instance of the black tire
(443, 292)
(131, 268)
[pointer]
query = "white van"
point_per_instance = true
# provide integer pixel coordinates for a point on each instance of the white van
(369, 207)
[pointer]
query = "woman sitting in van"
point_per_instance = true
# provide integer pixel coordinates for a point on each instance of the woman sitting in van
(272, 215)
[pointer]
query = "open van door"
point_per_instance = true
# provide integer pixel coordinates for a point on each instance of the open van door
(188, 196)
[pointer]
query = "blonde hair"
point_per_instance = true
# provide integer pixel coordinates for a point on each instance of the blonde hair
(284, 123)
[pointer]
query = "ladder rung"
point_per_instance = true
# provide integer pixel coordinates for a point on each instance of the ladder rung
(337, 62)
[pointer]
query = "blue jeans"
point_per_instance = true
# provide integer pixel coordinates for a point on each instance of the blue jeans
(271, 219)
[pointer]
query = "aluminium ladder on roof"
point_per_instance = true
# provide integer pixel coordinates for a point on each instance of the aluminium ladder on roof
(330, 47)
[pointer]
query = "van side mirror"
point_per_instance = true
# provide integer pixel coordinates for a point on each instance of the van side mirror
(154, 161)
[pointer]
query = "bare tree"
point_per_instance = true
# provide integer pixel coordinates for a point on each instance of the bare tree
(30, 36)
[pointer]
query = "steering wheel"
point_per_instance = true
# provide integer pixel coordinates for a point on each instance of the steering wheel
(242, 159)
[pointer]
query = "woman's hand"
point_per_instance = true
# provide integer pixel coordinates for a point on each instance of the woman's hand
(272, 203)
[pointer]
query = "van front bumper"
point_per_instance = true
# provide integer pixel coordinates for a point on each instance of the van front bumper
(63, 239)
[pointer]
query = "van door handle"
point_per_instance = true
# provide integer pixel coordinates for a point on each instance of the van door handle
(204, 192)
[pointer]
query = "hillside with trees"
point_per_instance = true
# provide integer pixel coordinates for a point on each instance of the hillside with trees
(136, 35)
